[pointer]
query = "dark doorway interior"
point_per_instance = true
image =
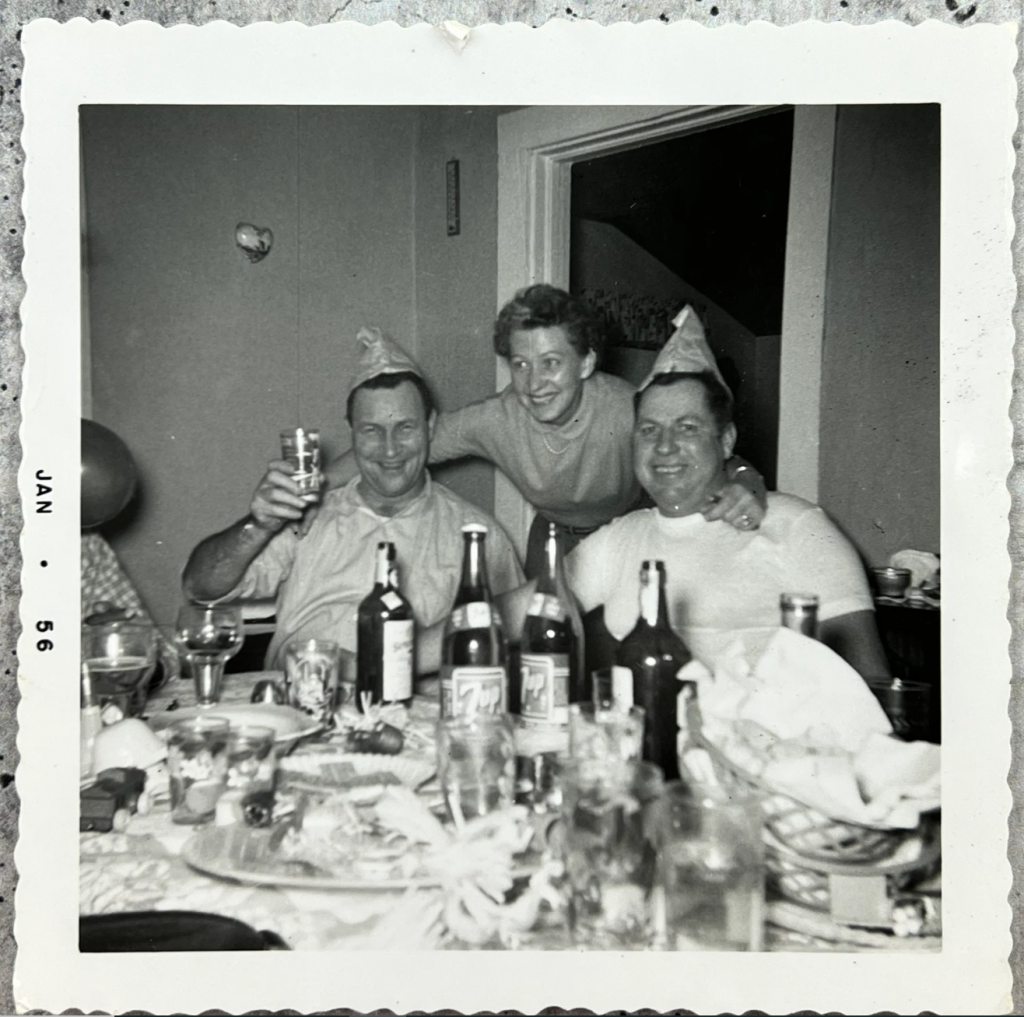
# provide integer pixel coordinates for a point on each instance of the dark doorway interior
(699, 219)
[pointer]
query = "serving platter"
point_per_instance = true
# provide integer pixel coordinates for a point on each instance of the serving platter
(289, 724)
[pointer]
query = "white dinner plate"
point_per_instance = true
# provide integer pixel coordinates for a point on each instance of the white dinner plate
(243, 854)
(288, 723)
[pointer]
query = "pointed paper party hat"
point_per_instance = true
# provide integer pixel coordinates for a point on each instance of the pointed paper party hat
(686, 350)
(380, 355)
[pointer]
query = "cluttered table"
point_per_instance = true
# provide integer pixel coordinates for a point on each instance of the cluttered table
(400, 878)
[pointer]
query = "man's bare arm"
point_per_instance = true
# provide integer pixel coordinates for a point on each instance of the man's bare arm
(218, 563)
(855, 638)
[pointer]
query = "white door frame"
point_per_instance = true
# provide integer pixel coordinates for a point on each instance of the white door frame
(536, 149)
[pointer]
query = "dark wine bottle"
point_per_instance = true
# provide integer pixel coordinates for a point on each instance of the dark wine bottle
(655, 654)
(551, 651)
(474, 653)
(384, 649)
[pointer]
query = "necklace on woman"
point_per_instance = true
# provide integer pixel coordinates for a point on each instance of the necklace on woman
(551, 449)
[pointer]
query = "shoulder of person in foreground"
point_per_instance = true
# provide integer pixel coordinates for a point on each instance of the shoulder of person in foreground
(594, 567)
(503, 568)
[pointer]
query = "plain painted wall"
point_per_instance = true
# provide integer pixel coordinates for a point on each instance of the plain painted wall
(456, 276)
(879, 475)
(195, 352)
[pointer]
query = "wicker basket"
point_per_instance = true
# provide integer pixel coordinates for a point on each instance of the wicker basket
(804, 847)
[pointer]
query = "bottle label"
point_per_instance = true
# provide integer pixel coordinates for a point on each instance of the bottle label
(396, 665)
(543, 605)
(469, 690)
(472, 616)
(545, 687)
(622, 687)
(391, 600)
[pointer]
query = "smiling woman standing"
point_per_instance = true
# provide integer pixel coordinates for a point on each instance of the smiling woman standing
(562, 430)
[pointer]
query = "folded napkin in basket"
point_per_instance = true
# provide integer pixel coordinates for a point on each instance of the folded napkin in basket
(805, 724)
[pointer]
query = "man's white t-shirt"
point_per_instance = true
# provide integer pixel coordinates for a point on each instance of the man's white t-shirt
(722, 583)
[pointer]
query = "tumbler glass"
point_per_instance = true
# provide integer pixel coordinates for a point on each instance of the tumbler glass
(311, 676)
(302, 450)
(251, 772)
(121, 658)
(197, 760)
(610, 856)
(908, 705)
(476, 762)
(602, 731)
(711, 861)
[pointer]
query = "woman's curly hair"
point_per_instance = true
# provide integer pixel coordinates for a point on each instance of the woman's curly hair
(542, 306)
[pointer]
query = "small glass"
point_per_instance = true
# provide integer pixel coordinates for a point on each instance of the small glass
(891, 582)
(121, 658)
(207, 638)
(311, 676)
(711, 862)
(252, 772)
(197, 760)
(610, 856)
(908, 705)
(539, 751)
(476, 762)
(302, 450)
(602, 731)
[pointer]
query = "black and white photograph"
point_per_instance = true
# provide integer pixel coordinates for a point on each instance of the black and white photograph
(510, 535)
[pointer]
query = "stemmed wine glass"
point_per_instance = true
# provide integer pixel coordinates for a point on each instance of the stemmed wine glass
(207, 637)
(120, 657)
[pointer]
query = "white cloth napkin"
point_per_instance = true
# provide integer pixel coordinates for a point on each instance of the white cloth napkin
(923, 566)
(805, 723)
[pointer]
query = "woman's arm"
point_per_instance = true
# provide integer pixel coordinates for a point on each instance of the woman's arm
(743, 500)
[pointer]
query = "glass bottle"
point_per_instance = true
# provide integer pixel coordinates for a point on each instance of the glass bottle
(551, 673)
(474, 652)
(655, 654)
(385, 643)
(799, 611)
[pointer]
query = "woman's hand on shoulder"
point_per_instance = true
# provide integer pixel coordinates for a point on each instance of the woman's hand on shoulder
(736, 505)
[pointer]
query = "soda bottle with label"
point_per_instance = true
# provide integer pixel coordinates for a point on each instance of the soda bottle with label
(385, 641)
(474, 653)
(551, 673)
(655, 654)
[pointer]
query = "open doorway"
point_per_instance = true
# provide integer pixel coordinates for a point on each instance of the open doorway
(698, 219)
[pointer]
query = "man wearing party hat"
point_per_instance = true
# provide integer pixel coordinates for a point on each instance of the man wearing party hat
(320, 579)
(724, 583)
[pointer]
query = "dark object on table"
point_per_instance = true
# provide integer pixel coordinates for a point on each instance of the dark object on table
(381, 739)
(109, 803)
(908, 705)
(152, 931)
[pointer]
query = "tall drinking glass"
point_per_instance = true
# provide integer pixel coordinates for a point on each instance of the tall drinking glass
(311, 669)
(476, 762)
(207, 638)
(711, 858)
(121, 658)
(302, 450)
(609, 854)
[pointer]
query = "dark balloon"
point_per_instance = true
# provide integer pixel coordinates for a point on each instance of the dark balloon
(108, 475)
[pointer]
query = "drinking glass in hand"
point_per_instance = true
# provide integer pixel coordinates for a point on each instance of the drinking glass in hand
(711, 858)
(302, 450)
(121, 658)
(476, 762)
(207, 638)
